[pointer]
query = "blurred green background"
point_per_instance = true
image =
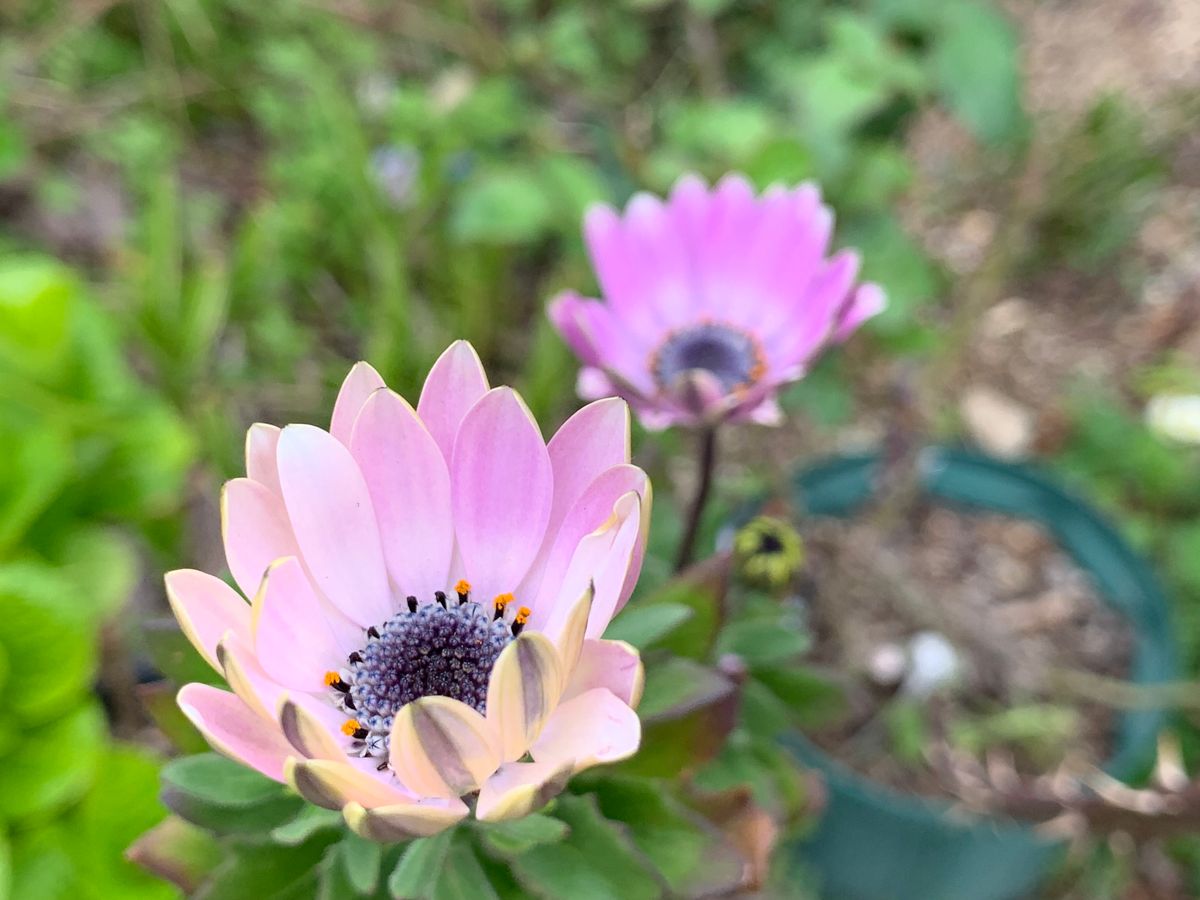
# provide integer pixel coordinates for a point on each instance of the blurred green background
(210, 208)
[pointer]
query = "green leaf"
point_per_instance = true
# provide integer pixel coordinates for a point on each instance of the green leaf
(645, 625)
(702, 589)
(307, 822)
(975, 64)
(122, 804)
(5, 868)
(45, 632)
(36, 782)
(503, 206)
(463, 878)
(687, 710)
(418, 870)
(691, 854)
(268, 872)
(37, 297)
(520, 835)
(763, 642)
(219, 794)
(361, 859)
(597, 861)
(810, 699)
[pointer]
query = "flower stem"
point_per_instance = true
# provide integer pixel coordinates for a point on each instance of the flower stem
(708, 459)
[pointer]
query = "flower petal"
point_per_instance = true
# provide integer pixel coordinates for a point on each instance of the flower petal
(590, 729)
(261, 441)
(403, 821)
(567, 636)
(523, 690)
(206, 608)
(519, 788)
(503, 487)
(454, 384)
(247, 678)
(298, 635)
(615, 665)
(334, 522)
(593, 440)
(590, 512)
(331, 784)
(256, 531)
(604, 558)
(441, 747)
(867, 301)
(234, 730)
(311, 727)
(409, 483)
(360, 383)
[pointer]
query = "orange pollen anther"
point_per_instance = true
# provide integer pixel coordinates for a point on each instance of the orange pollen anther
(350, 727)
(522, 615)
(503, 600)
(332, 678)
(463, 587)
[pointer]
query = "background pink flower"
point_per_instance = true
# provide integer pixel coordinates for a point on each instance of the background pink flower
(711, 300)
(429, 623)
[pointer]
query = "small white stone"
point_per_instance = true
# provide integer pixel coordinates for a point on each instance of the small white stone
(933, 663)
(888, 664)
(999, 424)
(1175, 417)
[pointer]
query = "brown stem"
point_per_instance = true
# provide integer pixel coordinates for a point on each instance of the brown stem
(708, 459)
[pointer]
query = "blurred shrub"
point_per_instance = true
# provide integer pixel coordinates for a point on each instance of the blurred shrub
(85, 446)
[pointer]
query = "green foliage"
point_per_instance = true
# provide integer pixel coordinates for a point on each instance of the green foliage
(1102, 181)
(294, 190)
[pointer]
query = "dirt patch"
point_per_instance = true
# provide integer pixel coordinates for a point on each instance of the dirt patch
(993, 595)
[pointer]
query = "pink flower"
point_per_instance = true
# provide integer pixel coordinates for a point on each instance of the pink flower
(713, 299)
(436, 584)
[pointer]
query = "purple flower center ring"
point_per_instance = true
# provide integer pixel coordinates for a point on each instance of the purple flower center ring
(733, 357)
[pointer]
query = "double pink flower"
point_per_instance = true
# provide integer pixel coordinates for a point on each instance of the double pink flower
(429, 623)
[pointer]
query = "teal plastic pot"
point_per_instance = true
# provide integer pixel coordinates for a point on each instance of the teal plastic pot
(874, 843)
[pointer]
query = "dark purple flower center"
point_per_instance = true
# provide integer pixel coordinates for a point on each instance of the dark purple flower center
(446, 648)
(730, 355)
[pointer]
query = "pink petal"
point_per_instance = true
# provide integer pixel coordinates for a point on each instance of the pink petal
(617, 260)
(815, 318)
(332, 784)
(261, 441)
(248, 678)
(593, 440)
(565, 315)
(607, 340)
(360, 384)
(502, 491)
(602, 560)
(334, 521)
(869, 300)
(589, 512)
(665, 295)
(614, 665)
(298, 635)
(313, 727)
(206, 608)
(520, 788)
(593, 728)
(403, 821)
(234, 730)
(441, 747)
(256, 530)
(610, 579)
(455, 383)
(410, 490)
